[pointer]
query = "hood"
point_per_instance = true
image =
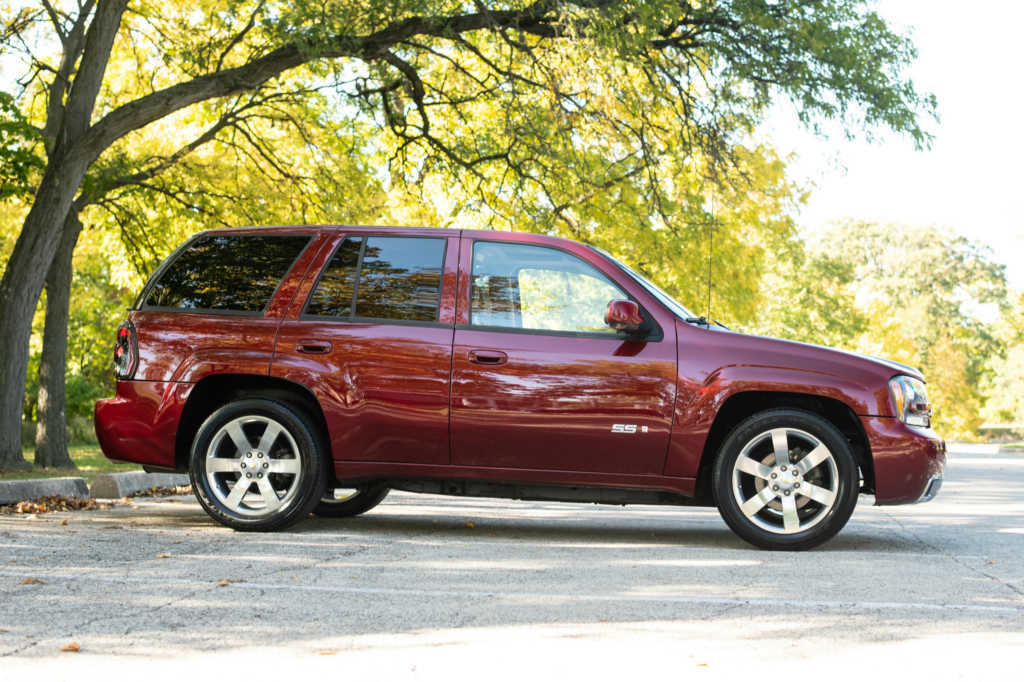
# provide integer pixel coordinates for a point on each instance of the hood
(749, 349)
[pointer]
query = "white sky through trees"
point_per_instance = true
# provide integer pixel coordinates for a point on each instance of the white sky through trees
(970, 180)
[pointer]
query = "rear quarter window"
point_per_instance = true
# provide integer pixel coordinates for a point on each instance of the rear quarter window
(381, 278)
(237, 273)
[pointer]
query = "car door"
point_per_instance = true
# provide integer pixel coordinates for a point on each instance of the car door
(539, 381)
(373, 339)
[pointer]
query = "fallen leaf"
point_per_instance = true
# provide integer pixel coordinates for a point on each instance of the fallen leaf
(228, 581)
(73, 647)
(64, 522)
(163, 556)
(176, 542)
(326, 653)
(32, 581)
(3, 630)
(470, 525)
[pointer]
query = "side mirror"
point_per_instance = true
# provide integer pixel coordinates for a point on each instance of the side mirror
(623, 316)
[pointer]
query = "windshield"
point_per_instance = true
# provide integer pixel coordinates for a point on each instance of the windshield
(650, 286)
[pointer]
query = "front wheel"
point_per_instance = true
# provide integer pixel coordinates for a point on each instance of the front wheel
(786, 479)
(256, 465)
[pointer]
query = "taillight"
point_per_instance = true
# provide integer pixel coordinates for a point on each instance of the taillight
(126, 352)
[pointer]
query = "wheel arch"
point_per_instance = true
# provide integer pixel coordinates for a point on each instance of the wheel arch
(217, 390)
(743, 404)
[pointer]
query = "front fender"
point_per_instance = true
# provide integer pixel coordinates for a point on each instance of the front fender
(699, 403)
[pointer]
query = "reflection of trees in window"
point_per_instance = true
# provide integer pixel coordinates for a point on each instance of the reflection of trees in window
(565, 301)
(227, 272)
(333, 293)
(400, 279)
(530, 287)
(495, 301)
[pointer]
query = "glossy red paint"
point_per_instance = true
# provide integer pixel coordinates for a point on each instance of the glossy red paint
(140, 423)
(905, 457)
(554, 403)
(449, 400)
(623, 315)
(383, 388)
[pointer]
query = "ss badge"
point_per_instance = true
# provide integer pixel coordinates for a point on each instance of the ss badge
(627, 428)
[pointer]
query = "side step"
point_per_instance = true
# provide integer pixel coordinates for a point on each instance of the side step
(540, 493)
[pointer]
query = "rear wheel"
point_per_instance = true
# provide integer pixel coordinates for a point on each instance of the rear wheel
(343, 502)
(255, 465)
(786, 479)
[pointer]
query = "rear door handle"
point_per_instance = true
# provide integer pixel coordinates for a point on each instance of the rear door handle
(313, 346)
(488, 357)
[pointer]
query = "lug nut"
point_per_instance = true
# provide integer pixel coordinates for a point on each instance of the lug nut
(248, 475)
(775, 475)
(775, 487)
(259, 454)
(783, 467)
(248, 454)
(787, 492)
(259, 475)
(266, 464)
(243, 465)
(796, 485)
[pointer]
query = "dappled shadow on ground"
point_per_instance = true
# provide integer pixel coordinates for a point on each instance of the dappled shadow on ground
(161, 576)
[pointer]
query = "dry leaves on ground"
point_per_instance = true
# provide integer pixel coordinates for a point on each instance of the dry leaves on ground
(164, 491)
(32, 581)
(163, 556)
(74, 647)
(55, 503)
(228, 581)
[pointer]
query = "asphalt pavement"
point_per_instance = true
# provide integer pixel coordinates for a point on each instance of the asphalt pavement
(427, 587)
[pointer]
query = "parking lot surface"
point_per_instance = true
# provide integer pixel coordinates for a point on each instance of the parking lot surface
(427, 587)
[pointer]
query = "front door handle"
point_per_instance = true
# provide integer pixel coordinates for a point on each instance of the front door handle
(313, 346)
(488, 357)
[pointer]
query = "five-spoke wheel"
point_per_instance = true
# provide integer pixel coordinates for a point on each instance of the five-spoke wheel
(256, 465)
(786, 479)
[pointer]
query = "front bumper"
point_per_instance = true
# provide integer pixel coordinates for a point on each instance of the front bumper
(909, 461)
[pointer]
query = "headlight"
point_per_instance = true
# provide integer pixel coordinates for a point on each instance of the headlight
(911, 399)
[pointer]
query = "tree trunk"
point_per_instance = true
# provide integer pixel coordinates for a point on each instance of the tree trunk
(51, 431)
(39, 239)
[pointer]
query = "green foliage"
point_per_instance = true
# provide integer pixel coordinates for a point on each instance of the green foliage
(916, 295)
(1004, 387)
(19, 142)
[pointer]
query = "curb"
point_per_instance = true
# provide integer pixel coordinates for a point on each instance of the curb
(30, 489)
(108, 486)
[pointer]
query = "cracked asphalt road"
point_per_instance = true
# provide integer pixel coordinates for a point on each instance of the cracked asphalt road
(431, 587)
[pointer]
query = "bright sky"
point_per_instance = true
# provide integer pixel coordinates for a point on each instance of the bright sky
(971, 179)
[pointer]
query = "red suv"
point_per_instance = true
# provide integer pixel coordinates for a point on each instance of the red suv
(292, 370)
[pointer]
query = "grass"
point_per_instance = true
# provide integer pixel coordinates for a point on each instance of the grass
(86, 456)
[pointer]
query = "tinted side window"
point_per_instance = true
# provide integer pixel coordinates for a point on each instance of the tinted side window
(398, 278)
(229, 272)
(333, 293)
(533, 287)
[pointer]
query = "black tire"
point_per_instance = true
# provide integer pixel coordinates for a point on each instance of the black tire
(365, 498)
(215, 471)
(778, 515)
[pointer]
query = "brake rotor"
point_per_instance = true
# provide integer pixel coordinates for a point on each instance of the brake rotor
(776, 504)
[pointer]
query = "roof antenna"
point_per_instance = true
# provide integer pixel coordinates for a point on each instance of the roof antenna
(711, 246)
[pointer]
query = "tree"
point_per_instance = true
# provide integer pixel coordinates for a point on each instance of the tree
(929, 298)
(692, 78)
